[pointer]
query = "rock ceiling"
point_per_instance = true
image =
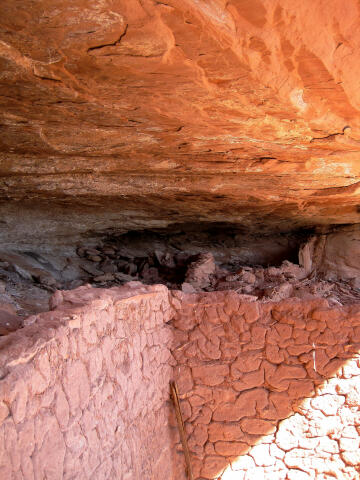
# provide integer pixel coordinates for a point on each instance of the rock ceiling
(241, 111)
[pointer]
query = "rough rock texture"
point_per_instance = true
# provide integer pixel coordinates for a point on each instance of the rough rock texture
(333, 256)
(30, 271)
(142, 113)
(269, 391)
(191, 261)
(200, 271)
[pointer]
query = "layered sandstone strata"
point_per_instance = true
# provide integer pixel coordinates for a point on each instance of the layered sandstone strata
(146, 113)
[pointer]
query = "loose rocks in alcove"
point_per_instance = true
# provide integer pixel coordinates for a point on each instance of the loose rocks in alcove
(113, 265)
(182, 259)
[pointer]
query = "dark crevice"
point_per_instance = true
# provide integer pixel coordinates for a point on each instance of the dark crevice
(112, 44)
(192, 257)
(331, 136)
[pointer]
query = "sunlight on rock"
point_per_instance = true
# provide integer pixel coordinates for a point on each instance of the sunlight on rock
(320, 440)
(179, 214)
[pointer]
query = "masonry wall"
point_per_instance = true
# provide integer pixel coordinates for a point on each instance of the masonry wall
(269, 391)
(84, 389)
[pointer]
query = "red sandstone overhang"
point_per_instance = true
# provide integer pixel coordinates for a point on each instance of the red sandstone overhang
(237, 111)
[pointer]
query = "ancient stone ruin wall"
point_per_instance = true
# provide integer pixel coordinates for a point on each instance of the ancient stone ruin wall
(269, 391)
(84, 389)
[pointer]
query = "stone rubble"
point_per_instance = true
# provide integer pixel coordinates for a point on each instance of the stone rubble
(110, 263)
(196, 273)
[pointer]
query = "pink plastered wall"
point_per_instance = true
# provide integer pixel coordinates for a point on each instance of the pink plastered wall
(84, 389)
(269, 391)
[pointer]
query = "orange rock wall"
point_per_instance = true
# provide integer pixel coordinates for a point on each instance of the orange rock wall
(269, 391)
(143, 113)
(336, 255)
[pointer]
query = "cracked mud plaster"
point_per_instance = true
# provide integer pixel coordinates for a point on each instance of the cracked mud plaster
(85, 388)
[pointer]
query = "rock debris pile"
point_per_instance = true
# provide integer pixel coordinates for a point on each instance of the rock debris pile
(197, 273)
(192, 262)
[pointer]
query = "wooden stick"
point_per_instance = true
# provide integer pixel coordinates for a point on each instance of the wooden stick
(180, 422)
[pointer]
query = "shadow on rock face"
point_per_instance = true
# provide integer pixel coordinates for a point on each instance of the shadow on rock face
(268, 390)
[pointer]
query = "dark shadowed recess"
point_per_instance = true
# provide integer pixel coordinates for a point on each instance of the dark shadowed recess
(232, 245)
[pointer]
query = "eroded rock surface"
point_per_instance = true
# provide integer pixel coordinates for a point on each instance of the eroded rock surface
(149, 113)
(30, 271)
(193, 262)
(334, 256)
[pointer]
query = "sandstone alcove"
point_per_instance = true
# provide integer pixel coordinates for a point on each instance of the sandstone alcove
(179, 202)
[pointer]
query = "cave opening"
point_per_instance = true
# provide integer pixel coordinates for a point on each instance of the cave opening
(179, 205)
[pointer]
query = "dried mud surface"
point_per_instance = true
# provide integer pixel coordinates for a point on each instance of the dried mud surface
(267, 390)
